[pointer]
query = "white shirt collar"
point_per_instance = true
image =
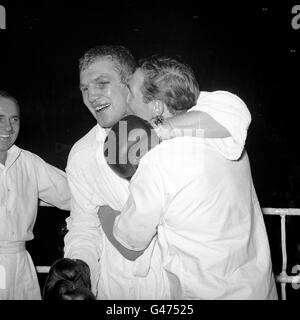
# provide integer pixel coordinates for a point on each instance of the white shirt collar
(12, 155)
(100, 133)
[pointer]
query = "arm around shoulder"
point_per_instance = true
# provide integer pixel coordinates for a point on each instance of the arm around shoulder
(218, 114)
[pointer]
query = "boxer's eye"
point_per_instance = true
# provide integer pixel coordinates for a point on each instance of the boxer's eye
(102, 84)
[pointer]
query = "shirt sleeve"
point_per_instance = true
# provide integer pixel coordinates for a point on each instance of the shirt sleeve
(135, 227)
(84, 239)
(52, 182)
(232, 113)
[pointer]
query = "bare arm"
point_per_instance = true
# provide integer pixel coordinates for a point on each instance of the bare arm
(107, 218)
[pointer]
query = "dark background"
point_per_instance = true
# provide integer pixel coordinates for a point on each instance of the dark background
(248, 49)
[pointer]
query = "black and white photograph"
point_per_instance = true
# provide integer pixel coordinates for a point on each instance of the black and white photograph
(149, 151)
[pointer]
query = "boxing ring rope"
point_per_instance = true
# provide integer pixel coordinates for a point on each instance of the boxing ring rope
(283, 278)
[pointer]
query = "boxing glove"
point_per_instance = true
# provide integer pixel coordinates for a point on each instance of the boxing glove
(68, 279)
(127, 142)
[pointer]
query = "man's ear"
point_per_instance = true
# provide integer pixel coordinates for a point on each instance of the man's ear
(157, 108)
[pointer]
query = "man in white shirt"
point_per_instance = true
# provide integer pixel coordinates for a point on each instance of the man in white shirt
(202, 207)
(24, 179)
(104, 72)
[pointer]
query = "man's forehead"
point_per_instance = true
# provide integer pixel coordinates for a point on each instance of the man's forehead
(8, 104)
(101, 66)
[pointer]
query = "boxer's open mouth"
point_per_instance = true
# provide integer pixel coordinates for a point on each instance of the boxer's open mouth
(102, 107)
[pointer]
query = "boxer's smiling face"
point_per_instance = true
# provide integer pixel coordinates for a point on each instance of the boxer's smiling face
(9, 125)
(103, 92)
